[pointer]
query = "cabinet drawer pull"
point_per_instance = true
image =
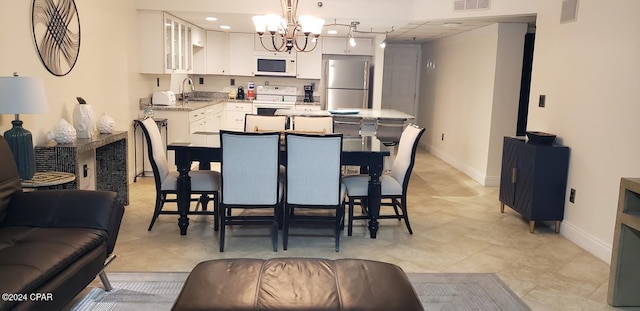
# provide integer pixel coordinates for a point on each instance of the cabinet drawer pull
(514, 175)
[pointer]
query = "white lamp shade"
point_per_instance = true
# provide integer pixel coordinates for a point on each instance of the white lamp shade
(310, 24)
(274, 22)
(22, 95)
(260, 22)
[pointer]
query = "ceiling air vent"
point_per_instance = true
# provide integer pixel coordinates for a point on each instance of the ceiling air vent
(463, 5)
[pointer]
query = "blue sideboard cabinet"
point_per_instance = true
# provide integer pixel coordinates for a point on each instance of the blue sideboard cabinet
(533, 180)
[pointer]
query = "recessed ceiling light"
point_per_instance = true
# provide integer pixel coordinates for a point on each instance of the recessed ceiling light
(225, 27)
(211, 18)
(332, 32)
(451, 24)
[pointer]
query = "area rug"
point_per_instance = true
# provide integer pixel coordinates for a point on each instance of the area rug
(437, 291)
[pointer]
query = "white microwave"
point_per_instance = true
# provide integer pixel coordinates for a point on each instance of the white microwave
(275, 64)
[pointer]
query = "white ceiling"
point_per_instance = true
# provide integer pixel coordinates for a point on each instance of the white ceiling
(397, 30)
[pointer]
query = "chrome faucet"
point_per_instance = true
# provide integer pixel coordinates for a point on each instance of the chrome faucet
(184, 95)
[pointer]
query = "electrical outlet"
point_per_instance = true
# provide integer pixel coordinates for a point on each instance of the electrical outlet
(201, 80)
(542, 100)
(232, 82)
(572, 196)
(85, 171)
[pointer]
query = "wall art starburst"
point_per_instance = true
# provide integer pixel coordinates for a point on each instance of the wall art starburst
(56, 34)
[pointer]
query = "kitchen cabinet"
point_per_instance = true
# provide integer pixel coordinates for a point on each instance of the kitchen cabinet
(307, 107)
(309, 64)
(241, 54)
(165, 43)
(234, 113)
(184, 122)
(533, 181)
(198, 36)
(341, 46)
(217, 53)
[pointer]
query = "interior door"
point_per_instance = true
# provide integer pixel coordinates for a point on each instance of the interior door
(400, 78)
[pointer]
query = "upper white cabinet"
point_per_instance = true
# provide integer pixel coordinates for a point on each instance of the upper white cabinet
(309, 64)
(165, 43)
(331, 45)
(198, 37)
(217, 53)
(241, 54)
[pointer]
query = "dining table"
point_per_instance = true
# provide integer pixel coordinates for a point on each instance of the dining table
(367, 152)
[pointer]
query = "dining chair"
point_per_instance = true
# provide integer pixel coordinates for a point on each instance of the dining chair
(203, 183)
(264, 123)
(313, 182)
(250, 168)
(320, 124)
(394, 185)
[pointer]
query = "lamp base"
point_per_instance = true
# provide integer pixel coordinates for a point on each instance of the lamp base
(21, 144)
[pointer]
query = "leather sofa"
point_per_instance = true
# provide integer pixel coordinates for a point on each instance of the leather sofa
(53, 243)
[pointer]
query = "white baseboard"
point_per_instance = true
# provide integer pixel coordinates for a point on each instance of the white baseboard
(591, 244)
(483, 179)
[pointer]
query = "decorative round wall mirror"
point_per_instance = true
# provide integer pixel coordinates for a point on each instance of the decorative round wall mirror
(56, 34)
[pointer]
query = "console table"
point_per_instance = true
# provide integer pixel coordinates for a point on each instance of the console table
(110, 161)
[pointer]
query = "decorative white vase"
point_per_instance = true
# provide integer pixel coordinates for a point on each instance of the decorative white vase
(83, 120)
(105, 124)
(63, 132)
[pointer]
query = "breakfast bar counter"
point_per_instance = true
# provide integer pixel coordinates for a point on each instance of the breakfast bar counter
(351, 113)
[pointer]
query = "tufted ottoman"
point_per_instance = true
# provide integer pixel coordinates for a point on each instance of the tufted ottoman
(297, 284)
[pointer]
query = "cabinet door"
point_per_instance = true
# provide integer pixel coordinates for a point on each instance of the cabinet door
(309, 64)
(217, 52)
(151, 42)
(363, 47)
(241, 54)
(198, 36)
(341, 46)
(509, 169)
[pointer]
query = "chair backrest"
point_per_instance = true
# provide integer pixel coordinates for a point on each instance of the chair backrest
(262, 123)
(321, 124)
(405, 158)
(313, 168)
(156, 149)
(9, 177)
(249, 167)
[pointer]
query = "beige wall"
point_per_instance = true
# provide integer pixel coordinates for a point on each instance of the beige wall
(589, 70)
(104, 74)
(469, 92)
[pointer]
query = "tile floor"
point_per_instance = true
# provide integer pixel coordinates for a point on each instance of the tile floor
(457, 227)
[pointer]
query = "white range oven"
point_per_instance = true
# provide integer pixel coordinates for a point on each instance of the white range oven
(270, 98)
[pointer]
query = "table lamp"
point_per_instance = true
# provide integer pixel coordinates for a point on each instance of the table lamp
(22, 95)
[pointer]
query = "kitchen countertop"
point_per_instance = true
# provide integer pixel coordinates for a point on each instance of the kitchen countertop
(197, 104)
(363, 114)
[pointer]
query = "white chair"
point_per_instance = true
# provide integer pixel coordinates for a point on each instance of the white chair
(264, 123)
(203, 183)
(394, 185)
(320, 124)
(250, 165)
(313, 181)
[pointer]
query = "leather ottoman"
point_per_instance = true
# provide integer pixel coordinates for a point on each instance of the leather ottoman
(297, 284)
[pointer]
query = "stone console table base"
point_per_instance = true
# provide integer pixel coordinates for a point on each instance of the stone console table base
(110, 157)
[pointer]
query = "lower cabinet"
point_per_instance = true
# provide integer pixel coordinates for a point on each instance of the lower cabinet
(183, 123)
(533, 181)
(234, 115)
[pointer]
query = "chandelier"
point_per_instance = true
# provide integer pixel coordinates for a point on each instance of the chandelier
(284, 31)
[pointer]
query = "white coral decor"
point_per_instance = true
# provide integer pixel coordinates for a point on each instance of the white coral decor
(63, 132)
(105, 124)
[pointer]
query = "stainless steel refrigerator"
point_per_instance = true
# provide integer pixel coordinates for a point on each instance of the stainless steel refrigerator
(346, 84)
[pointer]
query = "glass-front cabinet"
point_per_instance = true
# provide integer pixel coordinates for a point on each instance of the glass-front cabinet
(177, 47)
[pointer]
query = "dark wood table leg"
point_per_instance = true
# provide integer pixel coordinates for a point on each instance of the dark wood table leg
(375, 170)
(183, 162)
